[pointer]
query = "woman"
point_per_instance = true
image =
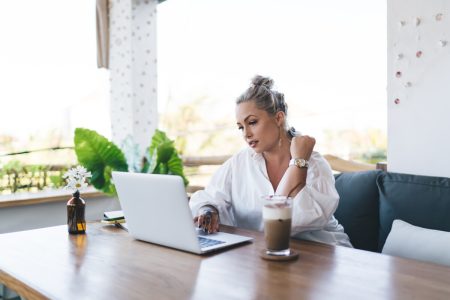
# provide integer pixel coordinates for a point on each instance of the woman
(278, 161)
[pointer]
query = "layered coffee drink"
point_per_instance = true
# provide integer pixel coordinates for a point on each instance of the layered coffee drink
(277, 216)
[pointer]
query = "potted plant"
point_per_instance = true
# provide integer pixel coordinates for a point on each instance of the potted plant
(101, 156)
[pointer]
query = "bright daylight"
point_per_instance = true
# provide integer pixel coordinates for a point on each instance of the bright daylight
(181, 149)
(335, 94)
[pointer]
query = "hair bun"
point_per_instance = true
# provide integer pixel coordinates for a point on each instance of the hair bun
(259, 80)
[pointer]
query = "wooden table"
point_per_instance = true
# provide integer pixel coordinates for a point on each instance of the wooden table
(107, 263)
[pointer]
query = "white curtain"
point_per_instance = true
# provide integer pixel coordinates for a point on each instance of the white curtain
(102, 17)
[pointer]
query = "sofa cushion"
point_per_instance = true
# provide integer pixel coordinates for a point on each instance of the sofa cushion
(358, 208)
(419, 200)
(409, 241)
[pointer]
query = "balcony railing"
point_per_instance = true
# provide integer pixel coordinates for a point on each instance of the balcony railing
(33, 178)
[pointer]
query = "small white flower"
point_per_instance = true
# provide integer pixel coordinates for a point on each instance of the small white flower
(70, 173)
(82, 172)
(76, 178)
(80, 184)
(70, 185)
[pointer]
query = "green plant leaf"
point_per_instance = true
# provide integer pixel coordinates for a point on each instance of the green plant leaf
(165, 151)
(164, 158)
(175, 166)
(100, 157)
(159, 138)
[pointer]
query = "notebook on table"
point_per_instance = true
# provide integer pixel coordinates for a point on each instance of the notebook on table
(156, 210)
(115, 217)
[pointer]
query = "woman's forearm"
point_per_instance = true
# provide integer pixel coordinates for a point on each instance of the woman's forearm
(293, 181)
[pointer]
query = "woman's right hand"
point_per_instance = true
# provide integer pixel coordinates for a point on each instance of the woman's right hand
(207, 219)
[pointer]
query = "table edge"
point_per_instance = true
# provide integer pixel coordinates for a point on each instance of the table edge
(22, 288)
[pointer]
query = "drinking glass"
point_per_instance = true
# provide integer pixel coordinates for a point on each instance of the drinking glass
(277, 217)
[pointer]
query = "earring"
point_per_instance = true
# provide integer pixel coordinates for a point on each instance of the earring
(280, 142)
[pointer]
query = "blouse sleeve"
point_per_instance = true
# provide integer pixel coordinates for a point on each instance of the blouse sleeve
(218, 194)
(315, 204)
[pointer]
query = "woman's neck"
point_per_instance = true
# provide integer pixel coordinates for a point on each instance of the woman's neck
(277, 161)
(280, 153)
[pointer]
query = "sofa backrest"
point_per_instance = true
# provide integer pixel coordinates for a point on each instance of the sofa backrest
(422, 201)
(358, 209)
(370, 201)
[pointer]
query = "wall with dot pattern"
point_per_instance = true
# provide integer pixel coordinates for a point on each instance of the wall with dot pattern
(419, 87)
(133, 76)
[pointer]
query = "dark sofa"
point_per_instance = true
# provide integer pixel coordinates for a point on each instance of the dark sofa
(370, 201)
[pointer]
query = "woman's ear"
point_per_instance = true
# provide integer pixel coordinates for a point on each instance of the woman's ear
(279, 117)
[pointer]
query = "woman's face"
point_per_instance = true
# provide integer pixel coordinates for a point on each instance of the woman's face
(260, 130)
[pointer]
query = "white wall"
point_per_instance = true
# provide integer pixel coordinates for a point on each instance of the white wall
(419, 121)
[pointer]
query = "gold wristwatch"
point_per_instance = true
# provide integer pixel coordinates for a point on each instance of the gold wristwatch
(299, 162)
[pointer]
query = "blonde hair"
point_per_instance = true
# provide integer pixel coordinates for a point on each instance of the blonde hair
(266, 98)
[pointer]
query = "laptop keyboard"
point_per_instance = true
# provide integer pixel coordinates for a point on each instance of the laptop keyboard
(204, 242)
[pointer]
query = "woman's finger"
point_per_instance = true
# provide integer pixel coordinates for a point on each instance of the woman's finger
(200, 221)
(217, 226)
(214, 226)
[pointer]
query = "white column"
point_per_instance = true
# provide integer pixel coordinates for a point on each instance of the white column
(133, 78)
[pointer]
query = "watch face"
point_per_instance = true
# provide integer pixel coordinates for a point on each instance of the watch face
(301, 163)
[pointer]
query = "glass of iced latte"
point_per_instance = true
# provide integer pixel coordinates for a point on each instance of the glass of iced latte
(277, 216)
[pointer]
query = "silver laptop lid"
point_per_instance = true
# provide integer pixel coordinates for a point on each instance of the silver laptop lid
(156, 209)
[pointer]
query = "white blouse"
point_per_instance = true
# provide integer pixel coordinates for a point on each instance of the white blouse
(236, 190)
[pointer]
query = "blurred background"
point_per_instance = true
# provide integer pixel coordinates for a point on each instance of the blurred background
(207, 53)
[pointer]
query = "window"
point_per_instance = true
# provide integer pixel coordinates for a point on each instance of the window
(327, 57)
(49, 78)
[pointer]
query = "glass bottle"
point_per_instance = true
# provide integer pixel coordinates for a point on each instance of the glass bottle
(76, 222)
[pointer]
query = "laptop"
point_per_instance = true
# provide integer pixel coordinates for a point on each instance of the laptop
(156, 210)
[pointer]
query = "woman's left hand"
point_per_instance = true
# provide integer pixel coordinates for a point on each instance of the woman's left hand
(302, 146)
